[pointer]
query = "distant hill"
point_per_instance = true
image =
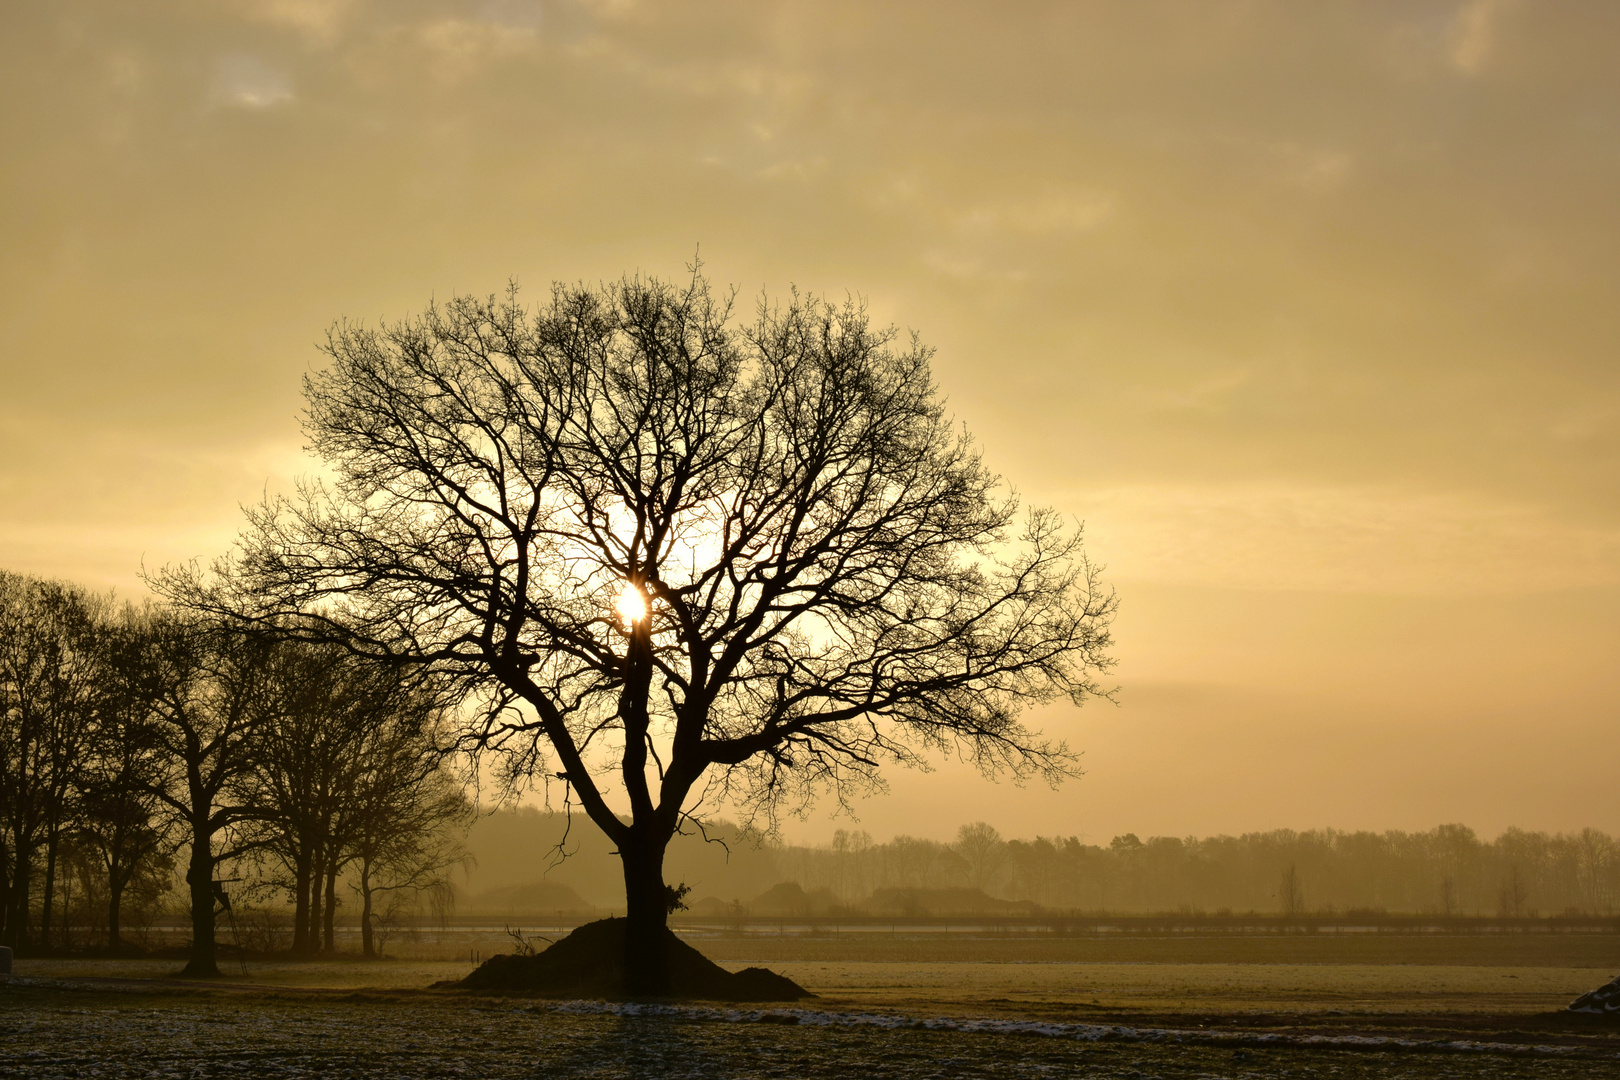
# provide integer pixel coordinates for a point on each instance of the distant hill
(790, 898)
(533, 898)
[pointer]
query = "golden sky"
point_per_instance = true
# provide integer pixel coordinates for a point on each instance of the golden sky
(1309, 310)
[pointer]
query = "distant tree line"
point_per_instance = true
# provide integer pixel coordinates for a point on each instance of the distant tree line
(140, 744)
(1444, 871)
(1448, 870)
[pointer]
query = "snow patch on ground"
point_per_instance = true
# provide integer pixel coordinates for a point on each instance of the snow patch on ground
(1046, 1029)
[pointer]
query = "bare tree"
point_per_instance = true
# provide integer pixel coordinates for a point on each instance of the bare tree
(983, 850)
(347, 774)
(49, 667)
(407, 811)
(121, 819)
(1514, 894)
(1596, 855)
(303, 771)
(1290, 896)
(1448, 896)
(204, 690)
(681, 559)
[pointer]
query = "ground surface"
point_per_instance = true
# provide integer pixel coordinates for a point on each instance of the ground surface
(920, 1007)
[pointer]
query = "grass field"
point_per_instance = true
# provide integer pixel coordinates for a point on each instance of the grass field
(887, 1005)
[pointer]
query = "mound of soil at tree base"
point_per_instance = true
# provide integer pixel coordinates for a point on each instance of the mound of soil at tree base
(590, 963)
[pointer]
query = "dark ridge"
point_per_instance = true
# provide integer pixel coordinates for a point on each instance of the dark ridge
(590, 963)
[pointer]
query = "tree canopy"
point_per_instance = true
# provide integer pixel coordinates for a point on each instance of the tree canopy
(674, 554)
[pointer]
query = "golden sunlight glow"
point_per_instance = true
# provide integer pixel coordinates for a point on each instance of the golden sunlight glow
(631, 605)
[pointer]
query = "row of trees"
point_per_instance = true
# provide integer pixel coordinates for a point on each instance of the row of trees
(666, 557)
(144, 734)
(1448, 870)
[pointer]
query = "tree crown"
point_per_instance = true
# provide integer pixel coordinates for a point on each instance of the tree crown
(637, 526)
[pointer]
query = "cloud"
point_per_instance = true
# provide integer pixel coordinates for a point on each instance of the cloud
(1314, 168)
(964, 266)
(462, 48)
(1343, 539)
(1057, 213)
(244, 81)
(1473, 34)
(317, 20)
(517, 14)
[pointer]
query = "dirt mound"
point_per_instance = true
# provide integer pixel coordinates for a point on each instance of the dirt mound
(590, 963)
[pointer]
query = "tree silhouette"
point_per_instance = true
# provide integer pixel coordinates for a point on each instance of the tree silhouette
(1290, 896)
(406, 807)
(677, 558)
(49, 699)
(983, 850)
(120, 818)
(203, 686)
(345, 773)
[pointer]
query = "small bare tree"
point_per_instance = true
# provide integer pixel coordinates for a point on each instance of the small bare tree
(1514, 894)
(984, 852)
(681, 559)
(1448, 896)
(408, 813)
(1290, 895)
(1596, 857)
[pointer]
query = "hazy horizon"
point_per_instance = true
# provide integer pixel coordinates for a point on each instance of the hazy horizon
(1305, 311)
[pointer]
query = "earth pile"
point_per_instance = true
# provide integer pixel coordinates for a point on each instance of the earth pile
(590, 963)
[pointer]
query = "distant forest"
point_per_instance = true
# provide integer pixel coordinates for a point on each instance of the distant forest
(1448, 870)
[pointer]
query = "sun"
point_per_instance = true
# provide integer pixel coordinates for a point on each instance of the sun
(631, 605)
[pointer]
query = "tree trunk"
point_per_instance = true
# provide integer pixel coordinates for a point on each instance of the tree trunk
(50, 893)
(66, 934)
(366, 948)
(17, 926)
(115, 900)
(200, 878)
(312, 929)
(5, 893)
(117, 877)
(301, 890)
(330, 945)
(646, 967)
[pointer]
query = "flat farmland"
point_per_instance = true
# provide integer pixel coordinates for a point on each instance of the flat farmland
(887, 1006)
(1177, 973)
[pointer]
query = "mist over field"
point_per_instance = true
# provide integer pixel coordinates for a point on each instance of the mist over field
(1445, 871)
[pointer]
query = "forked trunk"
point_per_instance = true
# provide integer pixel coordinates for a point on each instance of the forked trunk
(200, 878)
(646, 967)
